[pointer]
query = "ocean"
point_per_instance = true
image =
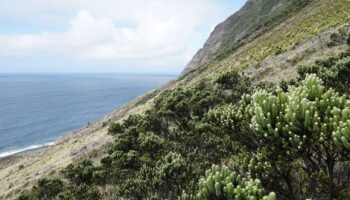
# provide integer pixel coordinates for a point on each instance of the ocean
(37, 109)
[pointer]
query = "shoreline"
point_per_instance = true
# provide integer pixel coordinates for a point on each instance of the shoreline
(26, 167)
(13, 158)
(28, 151)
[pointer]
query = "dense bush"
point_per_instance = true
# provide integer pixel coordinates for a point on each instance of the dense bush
(233, 120)
(82, 191)
(334, 71)
(55, 189)
(293, 140)
(302, 124)
(341, 135)
(222, 183)
(172, 167)
(46, 189)
(150, 142)
(115, 128)
(234, 82)
(80, 174)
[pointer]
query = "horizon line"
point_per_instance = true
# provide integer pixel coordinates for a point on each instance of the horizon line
(90, 73)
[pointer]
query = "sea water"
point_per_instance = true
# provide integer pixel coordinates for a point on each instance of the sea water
(36, 109)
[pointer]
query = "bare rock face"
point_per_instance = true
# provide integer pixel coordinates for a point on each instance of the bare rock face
(253, 19)
(203, 55)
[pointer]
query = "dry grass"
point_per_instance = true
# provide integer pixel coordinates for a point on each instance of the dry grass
(24, 170)
(316, 18)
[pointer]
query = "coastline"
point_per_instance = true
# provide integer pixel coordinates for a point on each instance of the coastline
(13, 158)
(27, 151)
(22, 169)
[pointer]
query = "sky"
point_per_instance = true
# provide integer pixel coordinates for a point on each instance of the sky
(106, 36)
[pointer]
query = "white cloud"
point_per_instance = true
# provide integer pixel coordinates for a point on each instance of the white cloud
(114, 30)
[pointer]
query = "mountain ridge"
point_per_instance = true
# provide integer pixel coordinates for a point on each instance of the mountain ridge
(241, 27)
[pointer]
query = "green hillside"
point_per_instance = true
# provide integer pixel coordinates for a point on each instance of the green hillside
(261, 112)
(254, 19)
(304, 25)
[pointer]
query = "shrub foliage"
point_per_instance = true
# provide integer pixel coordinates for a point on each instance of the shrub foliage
(288, 142)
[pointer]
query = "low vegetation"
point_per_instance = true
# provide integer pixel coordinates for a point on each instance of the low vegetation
(305, 24)
(226, 139)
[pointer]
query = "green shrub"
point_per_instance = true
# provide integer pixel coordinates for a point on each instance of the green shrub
(125, 160)
(27, 195)
(334, 71)
(235, 82)
(279, 50)
(292, 140)
(303, 123)
(115, 128)
(124, 142)
(48, 188)
(150, 143)
(222, 183)
(86, 192)
(45, 189)
(79, 174)
(172, 167)
(298, 119)
(341, 134)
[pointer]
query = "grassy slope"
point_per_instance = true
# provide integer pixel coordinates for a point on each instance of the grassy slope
(317, 18)
(255, 18)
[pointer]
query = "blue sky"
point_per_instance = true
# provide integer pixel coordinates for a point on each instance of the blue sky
(105, 36)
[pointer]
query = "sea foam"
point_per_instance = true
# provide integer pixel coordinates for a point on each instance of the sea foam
(31, 147)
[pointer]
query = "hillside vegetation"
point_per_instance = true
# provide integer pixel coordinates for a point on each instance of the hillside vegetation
(266, 142)
(261, 112)
(305, 24)
(255, 18)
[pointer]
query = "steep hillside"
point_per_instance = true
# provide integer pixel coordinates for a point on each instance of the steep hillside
(324, 17)
(160, 145)
(255, 18)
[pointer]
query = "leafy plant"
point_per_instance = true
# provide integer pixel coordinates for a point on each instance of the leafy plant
(334, 71)
(222, 183)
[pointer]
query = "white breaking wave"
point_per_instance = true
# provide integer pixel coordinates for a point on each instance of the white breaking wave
(7, 153)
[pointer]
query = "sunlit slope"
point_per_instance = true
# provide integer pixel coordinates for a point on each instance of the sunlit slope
(309, 23)
(255, 18)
